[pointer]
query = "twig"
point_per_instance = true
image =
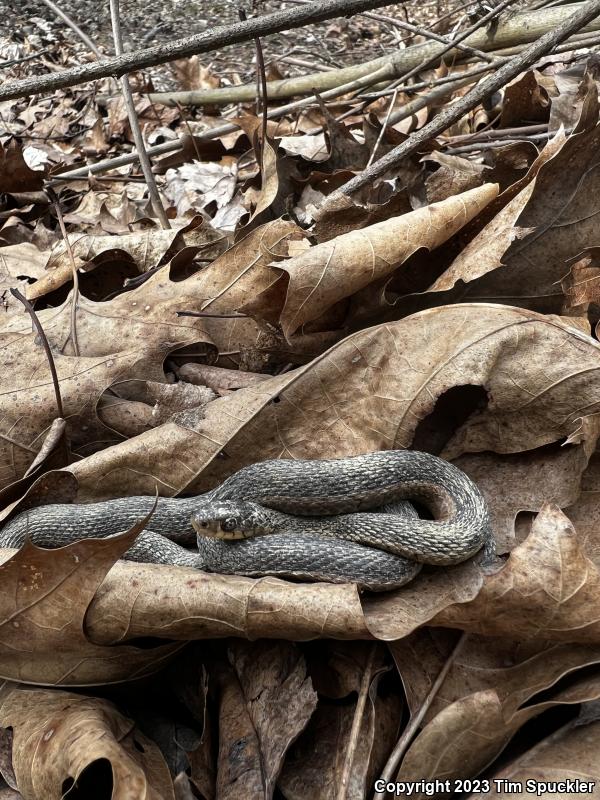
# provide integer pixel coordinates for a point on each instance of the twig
(429, 84)
(496, 143)
(384, 127)
(410, 730)
(428, 62)
(453, 113)
(74, 27)
(495, 133)
(23, 59)
(209, 314)
(359, 711)
(426, 33)
(51, 194)
(379, 75)
(135, 124)
(261, 96)
(220, 36)
(436, 95)
(38, 326)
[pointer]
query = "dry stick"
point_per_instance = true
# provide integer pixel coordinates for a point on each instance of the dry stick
(383, 73)
(434, 96)
(453, 113)
(428, 62)
(379, 75)
(13, 61)
(384, 127)
(135, 124)
(216, 315)
(497, 143)
(414, 58)
(410, 730)
(38, 325)
(428, 34)
(585, 40)
(261, 82)
(74, 27)
(429, 84)
(359, 711)
(75, 297)
(220, 36)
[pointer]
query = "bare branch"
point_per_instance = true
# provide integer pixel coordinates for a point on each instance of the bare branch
(74, 27)
(453, 113)
(38, 326)
(191, 45)
(134, 123)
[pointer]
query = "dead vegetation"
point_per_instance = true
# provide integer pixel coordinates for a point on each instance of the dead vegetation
(450, 303)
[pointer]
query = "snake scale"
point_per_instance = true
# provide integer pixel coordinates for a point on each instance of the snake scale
(337, 520)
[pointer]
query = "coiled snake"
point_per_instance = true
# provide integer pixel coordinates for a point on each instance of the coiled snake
(337, 520)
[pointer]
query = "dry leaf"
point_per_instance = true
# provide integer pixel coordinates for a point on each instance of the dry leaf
(63, 740)
(329, 272)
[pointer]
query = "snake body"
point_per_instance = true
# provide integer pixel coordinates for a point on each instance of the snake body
(325, 519)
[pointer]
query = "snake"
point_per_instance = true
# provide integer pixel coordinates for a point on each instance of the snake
(338, 520)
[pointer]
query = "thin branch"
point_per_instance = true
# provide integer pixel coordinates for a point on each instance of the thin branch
(429, 62)
(407, 735)
(214, 39)
(453, 113)
(13, 61)
(384, 127)
(51, 194)
(494, 144)
(211, 315)
(359, 712)
(135, 124)
(383, 73)
(261, 95)
(74, 27)
(38, 325)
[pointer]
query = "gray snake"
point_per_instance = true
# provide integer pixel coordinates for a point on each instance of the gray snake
(340, 520)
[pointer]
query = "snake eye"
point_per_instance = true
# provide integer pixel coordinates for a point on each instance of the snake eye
(228, 525)
(203, 524)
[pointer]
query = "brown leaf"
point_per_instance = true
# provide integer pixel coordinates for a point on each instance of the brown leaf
(44, 597)
(522, 254)
(524, 482)
(548, 588)
(567, 755)
(141, 600)
(146, 249)
(329, 272)
(466, 736)
(15, 175)
(279, 700)
(61, 741)
(525, 100)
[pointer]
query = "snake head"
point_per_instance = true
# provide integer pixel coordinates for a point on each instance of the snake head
(231, 519)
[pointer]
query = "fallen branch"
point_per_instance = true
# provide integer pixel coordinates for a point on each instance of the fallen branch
(453, 113)
(517, 28)
(385, 73)
(221, 36)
